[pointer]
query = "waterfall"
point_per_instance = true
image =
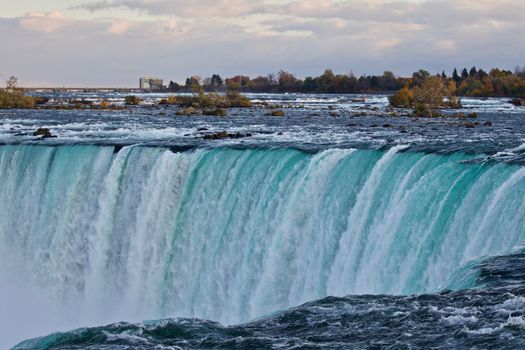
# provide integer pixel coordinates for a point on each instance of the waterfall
(231, 234)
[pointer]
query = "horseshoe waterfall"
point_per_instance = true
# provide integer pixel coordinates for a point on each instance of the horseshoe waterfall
(107, 234)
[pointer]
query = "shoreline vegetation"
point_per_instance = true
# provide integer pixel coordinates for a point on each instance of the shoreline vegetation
(424, 94)
(472, 83)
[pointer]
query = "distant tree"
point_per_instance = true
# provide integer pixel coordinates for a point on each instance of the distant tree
(456, 77)
(473, 72)
(443, 75)
(193, 83)
(326, 81)
(520, 71)
(481, 73)
(464, 73)
(238, 82)
(11, 84)
(431, 93)
(309, 84)
(388, 75)
(173, 86)
(420, 76)
(287, 81)
(216, 80)
(263, 84)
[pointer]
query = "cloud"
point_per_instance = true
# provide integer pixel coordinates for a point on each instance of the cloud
(181, 8)
(446, 45)
(44, 21)
(120, 27)
(178, 39)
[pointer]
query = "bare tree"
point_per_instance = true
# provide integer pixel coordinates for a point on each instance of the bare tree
(11, 83)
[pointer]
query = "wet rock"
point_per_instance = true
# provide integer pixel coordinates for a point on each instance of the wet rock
(216, 136)
(187, 111)
(518, 102)
(217, 112)
(239, 135)
(43, 133)
(225, 135)
(469, 125)
(489, 123)
(387, 126)
(277, 113)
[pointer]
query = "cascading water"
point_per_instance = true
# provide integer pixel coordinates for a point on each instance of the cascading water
(231, 235)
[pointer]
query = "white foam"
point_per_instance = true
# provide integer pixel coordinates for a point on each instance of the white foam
(459, 320)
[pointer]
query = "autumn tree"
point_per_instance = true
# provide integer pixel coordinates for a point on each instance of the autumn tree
(12, 97)
(287, 81)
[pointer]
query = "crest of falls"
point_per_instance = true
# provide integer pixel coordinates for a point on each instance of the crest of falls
(231, 235)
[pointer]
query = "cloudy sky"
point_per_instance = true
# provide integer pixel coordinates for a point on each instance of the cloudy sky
(114, 42)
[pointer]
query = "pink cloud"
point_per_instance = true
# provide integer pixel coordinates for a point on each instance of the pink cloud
(44, 21)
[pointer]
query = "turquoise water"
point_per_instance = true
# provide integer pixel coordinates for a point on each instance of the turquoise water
(231, 235)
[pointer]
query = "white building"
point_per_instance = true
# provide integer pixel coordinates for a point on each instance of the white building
(148, 83)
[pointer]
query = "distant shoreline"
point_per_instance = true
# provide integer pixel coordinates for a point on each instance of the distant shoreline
(142, 91)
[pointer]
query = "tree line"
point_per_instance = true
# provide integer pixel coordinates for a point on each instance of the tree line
(468, 82)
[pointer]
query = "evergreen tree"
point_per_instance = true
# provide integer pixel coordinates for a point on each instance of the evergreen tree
(473, 72)
(464, 73)
(455, 76)
(216, 80)
(482, 74)
(443, 75)
(173, 86)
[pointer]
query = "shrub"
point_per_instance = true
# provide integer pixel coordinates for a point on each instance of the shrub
(218, 112)
(423, 111)
(235, 99)
(132, 100)
(171, 100)
(214, 100)
(104, 104)
(431, 94)
(15, 99)
(402, 99)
